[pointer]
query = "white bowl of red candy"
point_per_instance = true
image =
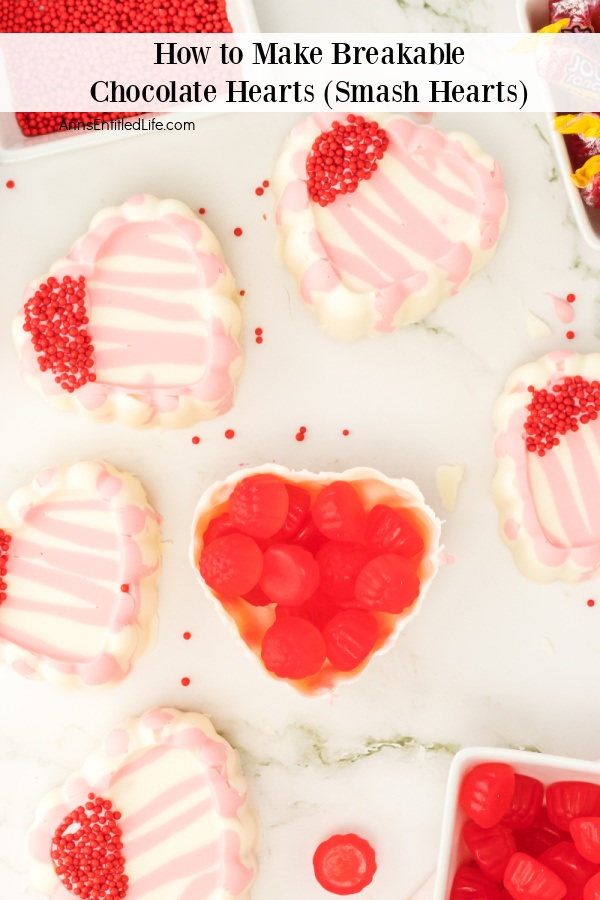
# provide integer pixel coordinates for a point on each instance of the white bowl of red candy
(315, 573)
(520, 825)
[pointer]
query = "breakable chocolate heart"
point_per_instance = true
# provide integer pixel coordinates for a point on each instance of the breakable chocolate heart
(377, 234)
(177, 822)
(342, 157)
(55, 320)
(78, 575)
(159, 311)
(547, 486)
(310, 595)
(86, 851)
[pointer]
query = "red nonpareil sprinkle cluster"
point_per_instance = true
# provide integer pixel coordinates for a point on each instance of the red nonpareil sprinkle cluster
(5, 540)
(56, 319)
(342, 157)
(301, 433)
(86, 852)
(554, 412)
(191, 16)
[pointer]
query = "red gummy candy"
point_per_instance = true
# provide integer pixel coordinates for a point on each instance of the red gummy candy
(585, 832)
(526, 803)
(568, 800)
(290, 575)
(344, 864)
(310, 538)
(297, 516)
(541, 835)
(570, 866)
(338, 512)
(259, 505)
(257, 597)
(592, 889)
(293, 648)
(486, 793)
(390, 531)
(349, 638)
(491, 848)
(387, 583)
(527, 879)
(218, 527)
(231, 565)
(319, 609)
(340, 564)
(471, 884)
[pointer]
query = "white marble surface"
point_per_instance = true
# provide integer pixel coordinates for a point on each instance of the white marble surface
(491, 659)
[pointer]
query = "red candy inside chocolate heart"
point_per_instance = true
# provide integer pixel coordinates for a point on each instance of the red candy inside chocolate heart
(343, 157)
(86, 851)
(56, 320)
(5, 540)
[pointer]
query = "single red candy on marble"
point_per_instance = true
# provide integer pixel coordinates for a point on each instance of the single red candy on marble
(349, 638)
(568, 800)
(232, 564)
(585, 832)
(486, 793)
(297, 516)
(471, 884)
(340, 563)
(56, 321)
(526, 878)
(491, 848)
(338, 512)
(344, 864)
(541, 835)
(293, 648)
(86, 851)
(570, 866)
(391, 531)
(526, 803)
(388, 583)
(290, 575)
(259, 505)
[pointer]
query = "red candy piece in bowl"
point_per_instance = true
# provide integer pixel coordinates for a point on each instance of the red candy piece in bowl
(316, 573)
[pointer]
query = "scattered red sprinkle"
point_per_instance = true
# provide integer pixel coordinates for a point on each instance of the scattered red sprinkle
(242, 293)
(259, 340)
(201, 210)
(229, 433)
(571, 298)
(185, 681)
(342, 157)
(10, 184)
(258, 331)
(570, 402)
(125, 588)
(86, 851)
(5, 540)
(300, 436)
(345, 432)
(591, 603)
(259, 191)
(195, 439)
(187, 635)
(302, 429)
(237, 231)
(265, 184)
(56, 320)
(570, 335)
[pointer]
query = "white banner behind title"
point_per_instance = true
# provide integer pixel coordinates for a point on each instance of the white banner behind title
(199, 72)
